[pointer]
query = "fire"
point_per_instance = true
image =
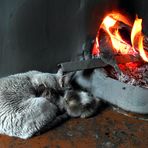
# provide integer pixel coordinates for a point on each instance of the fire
(116, 39)
(119, 17)
(108, 22)
(137, 38)
(111, 25)
(136, 29)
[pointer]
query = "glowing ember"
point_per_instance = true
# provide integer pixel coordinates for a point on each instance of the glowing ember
(111, 24)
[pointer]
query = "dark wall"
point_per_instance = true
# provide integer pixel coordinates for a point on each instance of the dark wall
(139, 7)
(39, 34)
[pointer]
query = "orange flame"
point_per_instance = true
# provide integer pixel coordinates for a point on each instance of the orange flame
(118, 43)
(137, 38)
(111, 24)
(119, 17)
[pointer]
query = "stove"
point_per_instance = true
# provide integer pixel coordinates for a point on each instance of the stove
(119, 58)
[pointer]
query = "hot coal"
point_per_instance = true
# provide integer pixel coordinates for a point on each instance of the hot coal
(132, 74)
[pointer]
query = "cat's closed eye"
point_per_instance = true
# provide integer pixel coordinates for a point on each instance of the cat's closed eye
(40, 90)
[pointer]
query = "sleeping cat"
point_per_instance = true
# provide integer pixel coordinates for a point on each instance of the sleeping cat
(31, 101)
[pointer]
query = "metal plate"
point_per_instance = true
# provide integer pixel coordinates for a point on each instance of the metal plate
(128, 97)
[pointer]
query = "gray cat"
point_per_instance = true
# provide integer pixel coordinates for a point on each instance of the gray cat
(33, 101)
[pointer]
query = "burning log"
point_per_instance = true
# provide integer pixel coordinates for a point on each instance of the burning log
(145, 43)
(107, 54)
(125, 31)
(133, 42)
(127, 59)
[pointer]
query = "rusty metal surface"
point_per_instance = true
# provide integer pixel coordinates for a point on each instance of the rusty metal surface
(108, 129)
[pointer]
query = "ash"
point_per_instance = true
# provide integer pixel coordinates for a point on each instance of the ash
(132, 74)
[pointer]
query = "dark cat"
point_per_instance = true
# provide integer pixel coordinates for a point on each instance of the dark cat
(32, 100)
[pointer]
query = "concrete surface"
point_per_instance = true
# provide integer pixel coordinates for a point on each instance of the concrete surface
(108, 129)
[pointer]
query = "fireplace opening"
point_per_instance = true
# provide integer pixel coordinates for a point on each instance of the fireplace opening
(39, 35)
(119, 51)
(118, 37)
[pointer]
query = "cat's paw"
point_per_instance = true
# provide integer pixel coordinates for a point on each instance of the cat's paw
(87, 114)
(91, 108)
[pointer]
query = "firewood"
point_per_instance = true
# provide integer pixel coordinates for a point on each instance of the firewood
(127, 29)
(107, 54)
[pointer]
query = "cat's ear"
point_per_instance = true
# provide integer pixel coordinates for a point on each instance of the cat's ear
(60, 77)
(60, 72)
(64, 79)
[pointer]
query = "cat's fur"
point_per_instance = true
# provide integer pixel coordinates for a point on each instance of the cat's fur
(32, 100)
